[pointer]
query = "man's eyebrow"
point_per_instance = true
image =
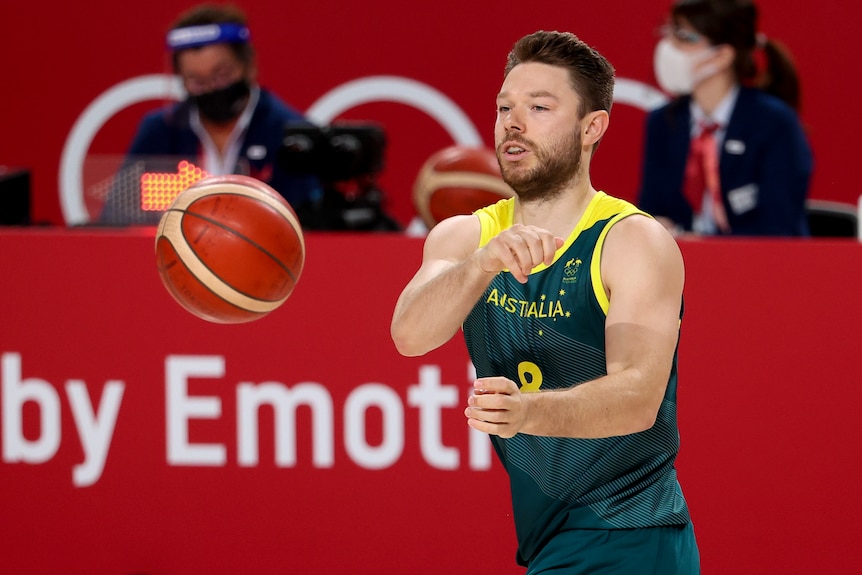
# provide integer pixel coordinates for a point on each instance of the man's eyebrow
(537, 94)
(542, 94)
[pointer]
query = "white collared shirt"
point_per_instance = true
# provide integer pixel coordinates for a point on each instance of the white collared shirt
(721, 116)
(704, 223)
(214, 163)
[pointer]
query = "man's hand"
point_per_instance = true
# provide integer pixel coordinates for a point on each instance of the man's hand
(518, 249)
(497, 407)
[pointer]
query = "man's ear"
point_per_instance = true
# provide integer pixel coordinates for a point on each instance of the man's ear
(595, 125)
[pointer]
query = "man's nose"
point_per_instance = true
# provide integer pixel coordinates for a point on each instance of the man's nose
(513, 120)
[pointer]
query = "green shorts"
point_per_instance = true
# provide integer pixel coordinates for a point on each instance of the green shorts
(650, 551)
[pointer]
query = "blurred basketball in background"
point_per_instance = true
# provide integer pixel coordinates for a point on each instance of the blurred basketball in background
(458, 180)
(230, 249)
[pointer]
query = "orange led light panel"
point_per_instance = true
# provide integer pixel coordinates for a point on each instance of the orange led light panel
(158, 190)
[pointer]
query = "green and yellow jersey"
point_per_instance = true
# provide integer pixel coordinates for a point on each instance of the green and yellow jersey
(549, 334)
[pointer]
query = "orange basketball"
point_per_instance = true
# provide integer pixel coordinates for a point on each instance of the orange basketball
(230, 249)
(458, 180)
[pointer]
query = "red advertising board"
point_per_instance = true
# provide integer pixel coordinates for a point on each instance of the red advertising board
(137, 438)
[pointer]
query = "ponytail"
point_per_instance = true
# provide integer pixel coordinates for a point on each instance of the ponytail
(779, 77)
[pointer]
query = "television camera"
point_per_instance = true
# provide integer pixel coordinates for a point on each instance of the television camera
(346, 157)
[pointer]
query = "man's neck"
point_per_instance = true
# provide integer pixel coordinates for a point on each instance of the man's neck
(560, 214)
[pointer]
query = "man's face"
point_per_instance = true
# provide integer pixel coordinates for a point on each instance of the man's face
(209, 68)
(537, 134)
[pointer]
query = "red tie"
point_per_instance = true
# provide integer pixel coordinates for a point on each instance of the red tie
(701, 174)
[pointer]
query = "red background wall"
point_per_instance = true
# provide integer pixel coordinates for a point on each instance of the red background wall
(768, 412)
(770, 381)
(60, 57)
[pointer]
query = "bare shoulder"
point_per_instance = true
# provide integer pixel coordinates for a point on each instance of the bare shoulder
(643, 235)
(641, 246)
(453, 239)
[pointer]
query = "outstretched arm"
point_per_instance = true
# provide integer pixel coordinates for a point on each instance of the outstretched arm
(454, 274)
(643, 275)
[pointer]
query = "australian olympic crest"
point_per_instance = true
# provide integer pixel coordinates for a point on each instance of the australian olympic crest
(370, 89)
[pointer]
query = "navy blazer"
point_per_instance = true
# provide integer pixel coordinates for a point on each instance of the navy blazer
(765, 166)
(167, 132)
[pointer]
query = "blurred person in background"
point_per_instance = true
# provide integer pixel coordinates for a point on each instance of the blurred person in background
(728, 155)
(227, 123)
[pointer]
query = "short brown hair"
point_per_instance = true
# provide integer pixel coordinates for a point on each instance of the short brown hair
(592, 76)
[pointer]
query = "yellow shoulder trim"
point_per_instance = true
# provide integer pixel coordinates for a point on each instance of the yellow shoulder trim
(596, 264)
(495, 218)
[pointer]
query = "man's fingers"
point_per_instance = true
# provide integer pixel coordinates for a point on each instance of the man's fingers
(499, 429)
(534, 248)
(487, 415)
(521, 248)
(491, 401)
(494, 385)
(551, 245)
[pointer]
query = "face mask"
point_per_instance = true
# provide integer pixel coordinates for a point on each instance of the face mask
(675, 68)
(224, 104)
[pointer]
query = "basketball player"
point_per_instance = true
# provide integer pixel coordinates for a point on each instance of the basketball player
(570, 302)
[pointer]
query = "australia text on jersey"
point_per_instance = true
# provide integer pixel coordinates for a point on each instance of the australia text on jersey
(543, 308)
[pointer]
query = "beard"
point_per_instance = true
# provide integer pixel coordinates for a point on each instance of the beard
(557, 165)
